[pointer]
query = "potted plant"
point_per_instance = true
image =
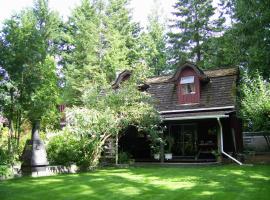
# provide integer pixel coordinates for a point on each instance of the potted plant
(169, 143)
(156, 151)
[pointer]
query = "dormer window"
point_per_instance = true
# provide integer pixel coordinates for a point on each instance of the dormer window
(187, 85)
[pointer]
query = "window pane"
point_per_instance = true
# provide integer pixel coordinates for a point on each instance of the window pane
(187, 79)
(188, 88)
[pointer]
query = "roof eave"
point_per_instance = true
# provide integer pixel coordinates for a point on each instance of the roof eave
(197, 109)
(195, 117)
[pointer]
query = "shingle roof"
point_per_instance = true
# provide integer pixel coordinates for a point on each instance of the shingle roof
(209, 73)
(218, 92)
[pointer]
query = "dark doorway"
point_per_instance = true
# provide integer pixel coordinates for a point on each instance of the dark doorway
(185, 139)
(137, 145)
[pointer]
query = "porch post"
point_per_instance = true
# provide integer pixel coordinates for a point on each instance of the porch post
(219, 135)
(116, 149)
(162, 150)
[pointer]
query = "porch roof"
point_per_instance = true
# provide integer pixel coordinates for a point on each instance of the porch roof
(196, 115)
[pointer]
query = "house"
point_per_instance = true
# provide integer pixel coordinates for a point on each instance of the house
(198, 109)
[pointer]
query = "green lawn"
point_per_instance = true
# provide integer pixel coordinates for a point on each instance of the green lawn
(164, 183)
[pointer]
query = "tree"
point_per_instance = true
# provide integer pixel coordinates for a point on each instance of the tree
(119, 19)
(154, 44)
(193, 26)
(105, 114)
(252, 30)
(27, 44)
(255, 103)
(117, 33)
(223, 51)
(100, 40)
(82, 50)
(246, 41)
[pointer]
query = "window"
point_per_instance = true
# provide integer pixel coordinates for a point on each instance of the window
(187, 85)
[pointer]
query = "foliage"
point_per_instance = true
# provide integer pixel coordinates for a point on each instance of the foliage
(27, 46)
(6, 156)
(169, 141)
(65, 149)
(4, 170)
(119, 20)
(27, 41)
(154, 49)
(246, 40)
(255, 101)
(10, 151)
(105, 114)
(193, 27)
(252, 30)
(99, 39)
(81, 50)
(45, 91)
(5, 84)
(124, 158)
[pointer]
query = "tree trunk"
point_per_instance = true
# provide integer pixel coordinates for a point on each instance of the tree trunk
(197, 37)
(10, 136)
(18, 129)
(10, 121)
(97, 152)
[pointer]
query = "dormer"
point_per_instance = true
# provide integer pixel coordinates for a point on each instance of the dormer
(125, 75)
(121, 77)
(188, 79)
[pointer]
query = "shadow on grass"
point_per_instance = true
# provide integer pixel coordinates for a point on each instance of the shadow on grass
(220, 182)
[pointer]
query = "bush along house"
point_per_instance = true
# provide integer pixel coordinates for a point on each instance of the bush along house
(198, 109)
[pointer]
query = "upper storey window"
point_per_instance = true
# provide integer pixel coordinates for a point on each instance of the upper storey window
(188, 80)
(187, 85)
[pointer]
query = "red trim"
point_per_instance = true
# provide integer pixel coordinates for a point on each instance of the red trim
(188, 98)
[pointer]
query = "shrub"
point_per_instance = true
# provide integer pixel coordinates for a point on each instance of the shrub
(5, 170)
(66, 148)
(63, 149)
(124, 157)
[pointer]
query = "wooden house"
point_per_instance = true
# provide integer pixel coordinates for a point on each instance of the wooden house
(198, 109)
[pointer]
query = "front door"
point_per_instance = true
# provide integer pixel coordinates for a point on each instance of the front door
(185, 139)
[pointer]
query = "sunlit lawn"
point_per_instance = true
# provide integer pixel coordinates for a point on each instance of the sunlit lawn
(179, 183)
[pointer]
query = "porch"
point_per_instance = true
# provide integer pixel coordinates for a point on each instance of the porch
(186, 141)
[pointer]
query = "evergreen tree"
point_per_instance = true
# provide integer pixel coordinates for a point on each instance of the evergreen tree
(82, 49)
(252, 31)
(192, 27)
(247, 40)
(99, 40)
(154, 43)
(122, 37)
(117, 34)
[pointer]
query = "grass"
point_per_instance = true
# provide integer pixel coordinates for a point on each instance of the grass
(163, 183)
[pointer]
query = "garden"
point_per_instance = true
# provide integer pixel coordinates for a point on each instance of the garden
(56, 87)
